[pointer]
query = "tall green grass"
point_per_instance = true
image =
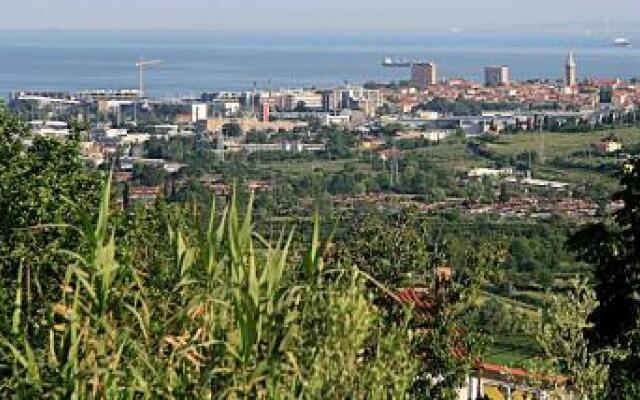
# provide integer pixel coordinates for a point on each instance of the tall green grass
(234, 316)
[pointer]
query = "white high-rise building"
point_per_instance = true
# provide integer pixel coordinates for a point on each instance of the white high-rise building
(199, 112)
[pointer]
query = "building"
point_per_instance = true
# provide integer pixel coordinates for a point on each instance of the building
(215, 125)
(144, 195)
(571, 71)
(44, 100)
(337, 120)
(226, 107)
(114, 106)
(496, 75)
(370, 101)
(482, 172)
(300, 99)
(93, 153)
(101, 132)
(352, 98)
(199, 112)
(424, 74)
(607, 146)
(50, 128)
(331, 100)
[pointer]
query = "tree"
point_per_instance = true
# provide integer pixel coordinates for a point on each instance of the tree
(505, 194)
(389, 248)
(45, 191)
(613, 247)
(397, 252)
(521, 255)
(338, 142)
(562, 337)
(232, 129)
(475, 191)
(148, 175)
(393, 129)
(447, 342)
(606, 94)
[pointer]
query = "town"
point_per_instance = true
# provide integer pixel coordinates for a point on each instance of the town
(501, 147)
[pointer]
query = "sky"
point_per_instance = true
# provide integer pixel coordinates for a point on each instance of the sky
(328, 15)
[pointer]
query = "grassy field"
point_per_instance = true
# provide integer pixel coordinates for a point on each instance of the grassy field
(575, 176)
(303, 166)
(453, 156)
(558, 144)
(450, 156)
(511, 350)
(563, 146)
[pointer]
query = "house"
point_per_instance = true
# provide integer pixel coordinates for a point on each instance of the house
(607, 145)
(432, 135)
(389, 154)
(255, 184)
(498, 382)
(145, 195)
(93, 153)
(371, 144)
(486, 380)
(215, 125)
(50, 128)
(481, 172)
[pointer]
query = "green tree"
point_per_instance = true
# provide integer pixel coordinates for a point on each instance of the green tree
(232, 129)
(390, 248)
(397, 252)
(567, 351)
(613, 247)
(393, 129)
(505, 194)
(148, 175)
(338, 142)
(45, 191)
(445, 337)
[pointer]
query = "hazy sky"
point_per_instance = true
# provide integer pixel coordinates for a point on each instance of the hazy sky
(314, 14)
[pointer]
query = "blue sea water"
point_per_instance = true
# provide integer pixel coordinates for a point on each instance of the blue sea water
(208, 60)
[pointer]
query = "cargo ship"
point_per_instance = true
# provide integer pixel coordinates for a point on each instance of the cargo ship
(393, 63)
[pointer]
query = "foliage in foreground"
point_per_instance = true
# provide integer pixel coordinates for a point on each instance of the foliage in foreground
(44, 190)
(613, 249)
(236, 318)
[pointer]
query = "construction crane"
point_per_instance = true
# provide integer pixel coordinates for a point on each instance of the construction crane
(142, 65)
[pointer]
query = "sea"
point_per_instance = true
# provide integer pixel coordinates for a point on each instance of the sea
(206, 61)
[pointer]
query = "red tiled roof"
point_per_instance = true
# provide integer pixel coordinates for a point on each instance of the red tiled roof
(520, 373)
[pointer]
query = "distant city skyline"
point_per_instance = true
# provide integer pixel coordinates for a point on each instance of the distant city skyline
(572, 16)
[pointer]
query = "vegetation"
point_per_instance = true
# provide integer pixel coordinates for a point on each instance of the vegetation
(46, 192)
(194, 297)
(612, 247)
(171, 302)
(232, 317)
